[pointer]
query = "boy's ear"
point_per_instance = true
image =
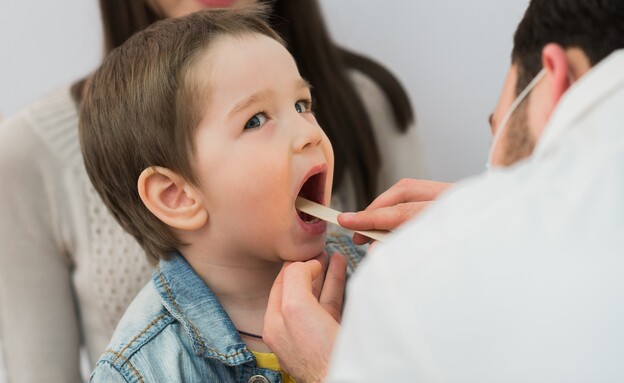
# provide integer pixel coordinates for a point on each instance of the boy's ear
(172, 199)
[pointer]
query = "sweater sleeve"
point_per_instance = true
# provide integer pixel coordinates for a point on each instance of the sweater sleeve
(38, 321)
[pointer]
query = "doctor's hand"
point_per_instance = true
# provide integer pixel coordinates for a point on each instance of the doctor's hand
(395, 206)
(301, 325)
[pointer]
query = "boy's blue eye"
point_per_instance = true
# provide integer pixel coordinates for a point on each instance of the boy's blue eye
(256, 121)
(303, 106)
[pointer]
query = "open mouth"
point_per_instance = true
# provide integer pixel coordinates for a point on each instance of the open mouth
(312, 189)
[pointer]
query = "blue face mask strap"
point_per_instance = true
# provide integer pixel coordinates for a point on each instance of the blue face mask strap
(510, 111)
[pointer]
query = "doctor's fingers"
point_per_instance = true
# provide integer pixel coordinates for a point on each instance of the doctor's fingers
(384, 218)
(301, 276)
(317, 283)
(297, 328)
(332, 296)
(409, 190)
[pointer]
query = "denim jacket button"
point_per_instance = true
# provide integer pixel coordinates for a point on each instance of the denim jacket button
(258, 379)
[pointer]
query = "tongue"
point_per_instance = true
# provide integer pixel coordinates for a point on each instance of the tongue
(305, 217)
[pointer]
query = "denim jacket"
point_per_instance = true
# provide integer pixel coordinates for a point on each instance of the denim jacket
(176, 330)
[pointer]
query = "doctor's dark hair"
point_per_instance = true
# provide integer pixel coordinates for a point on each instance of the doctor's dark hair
(595, 26)
(338, 107)
(140, 110)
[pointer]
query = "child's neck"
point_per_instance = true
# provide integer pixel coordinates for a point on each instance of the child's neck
(243, 291)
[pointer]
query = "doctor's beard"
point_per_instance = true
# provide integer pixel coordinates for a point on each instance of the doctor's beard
(519, 143)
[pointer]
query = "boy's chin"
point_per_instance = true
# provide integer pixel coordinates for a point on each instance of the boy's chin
(308, 252)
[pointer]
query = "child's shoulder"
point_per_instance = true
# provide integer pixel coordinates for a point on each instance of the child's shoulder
(143, 321)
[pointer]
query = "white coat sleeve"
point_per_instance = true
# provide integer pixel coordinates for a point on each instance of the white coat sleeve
(379, 330)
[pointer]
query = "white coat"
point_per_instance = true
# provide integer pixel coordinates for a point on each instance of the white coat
(513, 277)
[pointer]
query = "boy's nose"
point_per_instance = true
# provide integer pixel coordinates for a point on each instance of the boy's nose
(307, 135)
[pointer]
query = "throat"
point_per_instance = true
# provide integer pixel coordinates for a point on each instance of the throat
(236, 278)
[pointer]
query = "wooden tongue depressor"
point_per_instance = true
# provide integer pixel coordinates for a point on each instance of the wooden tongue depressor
(330, 215)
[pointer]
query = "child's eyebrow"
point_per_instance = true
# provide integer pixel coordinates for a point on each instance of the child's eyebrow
(264, 94)
(254, 98)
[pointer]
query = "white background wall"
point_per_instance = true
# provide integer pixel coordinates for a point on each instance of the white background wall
(451, 55)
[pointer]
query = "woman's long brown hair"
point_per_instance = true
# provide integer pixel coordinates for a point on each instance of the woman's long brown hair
(339, 108)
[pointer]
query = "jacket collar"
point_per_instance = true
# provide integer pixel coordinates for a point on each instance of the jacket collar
(597, 84)
(208, 327)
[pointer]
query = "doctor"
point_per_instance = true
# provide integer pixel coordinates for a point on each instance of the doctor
(514, 276)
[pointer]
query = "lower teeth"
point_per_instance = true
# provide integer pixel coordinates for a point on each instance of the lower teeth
(306, 217)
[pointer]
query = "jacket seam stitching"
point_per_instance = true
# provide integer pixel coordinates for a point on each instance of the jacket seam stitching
(127, 362)
(119, 354)
(162, 280)
(195, 331)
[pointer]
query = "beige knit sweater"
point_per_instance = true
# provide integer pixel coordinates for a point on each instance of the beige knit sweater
(67, 269)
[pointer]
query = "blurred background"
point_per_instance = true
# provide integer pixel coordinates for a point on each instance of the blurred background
(451, 55)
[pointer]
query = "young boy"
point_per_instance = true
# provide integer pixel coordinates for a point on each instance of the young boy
(198, 135)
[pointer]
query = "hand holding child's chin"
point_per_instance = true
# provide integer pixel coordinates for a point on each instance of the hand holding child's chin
(303, 315)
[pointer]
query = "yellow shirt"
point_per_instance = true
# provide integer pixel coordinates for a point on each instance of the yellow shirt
(269, 361)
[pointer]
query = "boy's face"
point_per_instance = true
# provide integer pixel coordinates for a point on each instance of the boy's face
(258, 148)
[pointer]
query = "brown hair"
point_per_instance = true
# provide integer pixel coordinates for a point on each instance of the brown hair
(338, 106)
(139, 111)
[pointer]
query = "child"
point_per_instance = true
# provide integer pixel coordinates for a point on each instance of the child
(198, 135)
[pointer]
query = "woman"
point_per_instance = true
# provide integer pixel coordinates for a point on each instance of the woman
(67, 269)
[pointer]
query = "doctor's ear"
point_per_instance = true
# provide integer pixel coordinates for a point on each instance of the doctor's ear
(558, 69)
(172, 199)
